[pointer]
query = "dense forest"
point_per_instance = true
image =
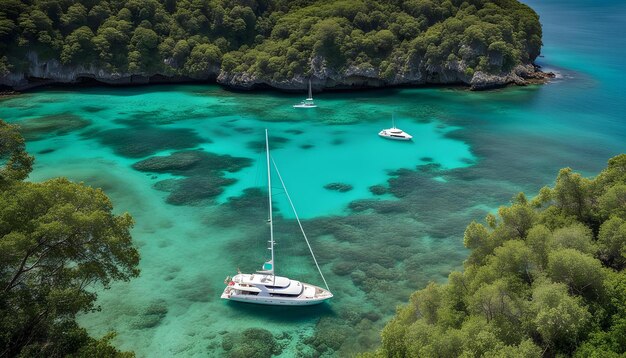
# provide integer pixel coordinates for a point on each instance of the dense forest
(58, 240)
(268, 41)
(544, 278)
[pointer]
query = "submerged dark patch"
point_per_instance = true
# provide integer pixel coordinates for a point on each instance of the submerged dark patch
(340, 187)
(92, 109)
(193, 190)
(378, 189)
(42, 127)
(252, 342)
(204, 174)
(140, 143)
(259, 145)
(191, 162)
(338, 141)
(46, 151)
(151, 316)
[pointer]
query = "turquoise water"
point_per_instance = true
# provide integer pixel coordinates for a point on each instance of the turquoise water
(198, 223)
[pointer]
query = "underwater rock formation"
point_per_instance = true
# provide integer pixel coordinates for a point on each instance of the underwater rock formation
(340, 187)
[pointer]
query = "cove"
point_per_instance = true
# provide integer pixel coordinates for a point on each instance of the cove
(471, 153)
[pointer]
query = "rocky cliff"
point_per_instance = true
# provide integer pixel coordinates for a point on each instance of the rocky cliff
(51, 71)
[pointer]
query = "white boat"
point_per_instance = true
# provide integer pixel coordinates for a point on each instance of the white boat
(264, 286)
(307, 103)
(395, 133)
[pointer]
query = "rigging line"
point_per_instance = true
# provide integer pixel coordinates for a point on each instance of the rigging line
(259, 169)
(299, 223)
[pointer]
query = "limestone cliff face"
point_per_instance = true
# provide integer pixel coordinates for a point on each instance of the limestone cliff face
(53, 72)
(453, 73)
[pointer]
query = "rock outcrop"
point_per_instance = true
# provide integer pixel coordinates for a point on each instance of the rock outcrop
(51, 71)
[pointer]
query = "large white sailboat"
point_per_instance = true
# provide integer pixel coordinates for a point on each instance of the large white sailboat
(307, 103)
(264, 286)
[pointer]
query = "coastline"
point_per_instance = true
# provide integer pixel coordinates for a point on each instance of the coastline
(14, 84)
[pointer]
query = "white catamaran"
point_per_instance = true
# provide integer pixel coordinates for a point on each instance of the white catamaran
(395, 133)
(264, 287)
(307, 103)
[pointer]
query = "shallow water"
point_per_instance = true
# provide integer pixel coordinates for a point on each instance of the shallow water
(198, 222)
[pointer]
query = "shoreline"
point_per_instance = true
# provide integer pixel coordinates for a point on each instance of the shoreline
(538, 78)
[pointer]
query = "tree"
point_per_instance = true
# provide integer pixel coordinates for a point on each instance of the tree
(560, 319)
(537, 240)
(78, 46)
(479, 337)
(427, 302)
(576, 236)
(144, 44)
(513, 259)
(613, 202)
(202, 58)
(571, 194)
(546, 278)
(612, 241)
(583, 274)
(478, 239)
(58, 240)
(17, 162)
(75, 16)
(519, 218)
(496, 301)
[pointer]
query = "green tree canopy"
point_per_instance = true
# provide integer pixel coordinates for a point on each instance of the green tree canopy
(386, 37)
(15, 161)
(59, 241)
(544, 278)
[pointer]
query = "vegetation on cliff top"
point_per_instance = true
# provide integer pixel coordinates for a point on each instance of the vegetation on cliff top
(271, 39)
(57, 240)
(545, 278)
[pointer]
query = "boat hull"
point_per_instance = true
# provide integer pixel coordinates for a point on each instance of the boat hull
(303, 106)
(395, 138)
(272, 301)
(258, 294)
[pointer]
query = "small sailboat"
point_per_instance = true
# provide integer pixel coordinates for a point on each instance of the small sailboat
(395, 133)
(264, 286)
(307, 103)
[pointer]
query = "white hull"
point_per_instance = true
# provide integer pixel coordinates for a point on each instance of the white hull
(311, 295)
(308, 102)
(267, 289)
(403, 136)
(276, 302)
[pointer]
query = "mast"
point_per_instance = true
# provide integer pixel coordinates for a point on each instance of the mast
(269, 190)
(310, 91)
